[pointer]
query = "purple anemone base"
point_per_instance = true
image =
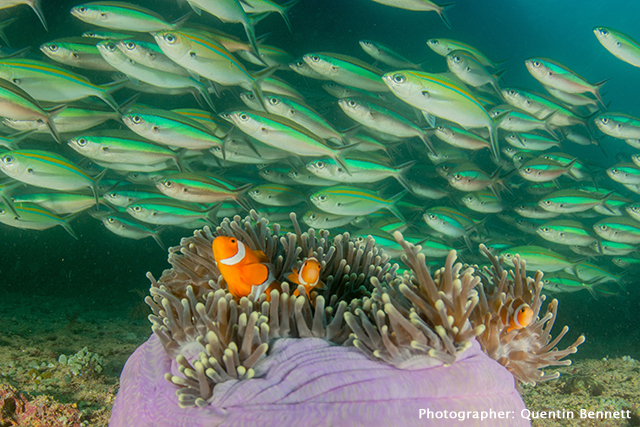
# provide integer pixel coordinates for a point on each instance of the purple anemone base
(311, 382)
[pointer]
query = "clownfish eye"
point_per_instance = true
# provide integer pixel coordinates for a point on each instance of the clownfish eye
(233, 241)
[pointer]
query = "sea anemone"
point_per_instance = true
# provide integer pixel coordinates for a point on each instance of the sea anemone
(371, 347)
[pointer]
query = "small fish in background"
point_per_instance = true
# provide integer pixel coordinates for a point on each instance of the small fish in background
(308, 275)
(516, 314)
(246, 272)
(419, 6)
(619, 44)
(386, 55)
(36, 5)
(124, 16)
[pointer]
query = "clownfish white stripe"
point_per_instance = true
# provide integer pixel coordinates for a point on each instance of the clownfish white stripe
(239, 256)
(301, 280)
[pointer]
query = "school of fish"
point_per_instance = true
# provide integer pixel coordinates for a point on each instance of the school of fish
(372, 145)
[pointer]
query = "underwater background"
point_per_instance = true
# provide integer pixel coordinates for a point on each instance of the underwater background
(57, 293)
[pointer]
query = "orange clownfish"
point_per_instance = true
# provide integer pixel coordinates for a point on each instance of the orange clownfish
(516, 314)
(308, 276)
(246, 272)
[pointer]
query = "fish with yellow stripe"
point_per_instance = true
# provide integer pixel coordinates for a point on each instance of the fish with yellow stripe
(246, 272)
(438, 95)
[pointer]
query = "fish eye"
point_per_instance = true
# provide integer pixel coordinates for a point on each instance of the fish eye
(618, 44)
(322, 198)
(136, 119)
(110, 47)
(15, 81)
(233, 240)
(137, 209)
(244, 117)
(433, 216)
(256, 192)
(457, 176)
(82, 9)
(273, 100)
(603, 227)
(434, 42)
(456, 58)
(111, 219)
(511, 92)
(546, 229)
(167, 183)
(399, 78)
(130, 45)
(52, 47)
(352, 103)
(8, 159)
(635, 208)
(169, 38)
(313, 216)
(536, 64)
(300, 63)
(527, 170)
(547, 202)
(604, 120)
(315, 58)
(82, 142)
(320, 164)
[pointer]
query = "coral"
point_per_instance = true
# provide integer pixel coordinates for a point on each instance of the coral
(17, 410)
(369, 334)
(83, 362)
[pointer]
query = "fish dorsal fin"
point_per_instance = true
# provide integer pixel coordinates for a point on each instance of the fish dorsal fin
(261, 256)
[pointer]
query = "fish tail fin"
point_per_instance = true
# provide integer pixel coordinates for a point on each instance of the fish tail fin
(392, 205)
(339, 159)
(181, 21)
(204, 92)
(37, 8)
(255, 84)
(493, 137)
(251, 35)
(17, 137)
(156, 237)
(596, 91)
(51, 113)
(65, 224)
(106, 96)
(427, 141)
(4, 24)
(240, 197)
(443, 15)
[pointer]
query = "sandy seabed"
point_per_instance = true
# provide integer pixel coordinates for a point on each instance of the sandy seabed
(36, 390)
